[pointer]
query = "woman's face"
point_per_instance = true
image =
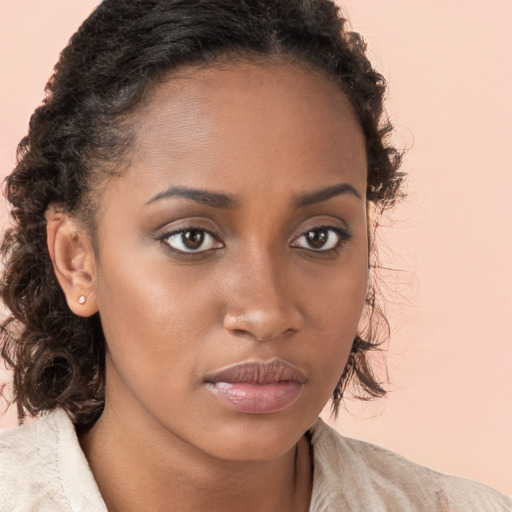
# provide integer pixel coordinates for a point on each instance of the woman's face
(232, 257)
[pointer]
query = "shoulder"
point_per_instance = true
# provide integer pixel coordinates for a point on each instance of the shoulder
(355, 475)
(42, 467)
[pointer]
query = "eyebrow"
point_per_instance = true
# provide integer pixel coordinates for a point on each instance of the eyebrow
(206, 197)
(219, 200)
(324, 194)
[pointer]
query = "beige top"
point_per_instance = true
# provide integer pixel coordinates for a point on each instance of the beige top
(42, 468)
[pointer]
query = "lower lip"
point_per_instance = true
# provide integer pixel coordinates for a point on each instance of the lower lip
(257, 398)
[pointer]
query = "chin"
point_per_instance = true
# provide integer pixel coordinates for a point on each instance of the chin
(255, 438)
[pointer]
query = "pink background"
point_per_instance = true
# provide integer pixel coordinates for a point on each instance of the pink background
(449, 67)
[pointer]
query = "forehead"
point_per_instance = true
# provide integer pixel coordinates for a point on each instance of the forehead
(254, 122)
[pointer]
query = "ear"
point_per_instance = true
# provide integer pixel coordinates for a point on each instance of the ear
(73, 259)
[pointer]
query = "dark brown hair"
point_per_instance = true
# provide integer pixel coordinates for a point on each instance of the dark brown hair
(82, 132)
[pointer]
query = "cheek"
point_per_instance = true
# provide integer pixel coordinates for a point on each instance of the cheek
(163, 322)
(155, 319)
(337, 296)
(335, 303)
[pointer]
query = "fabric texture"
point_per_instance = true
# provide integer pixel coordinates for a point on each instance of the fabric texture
(42, 468)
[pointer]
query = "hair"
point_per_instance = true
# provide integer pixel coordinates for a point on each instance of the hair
(81, 133)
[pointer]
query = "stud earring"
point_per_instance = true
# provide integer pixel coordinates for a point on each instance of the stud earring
(82, 299)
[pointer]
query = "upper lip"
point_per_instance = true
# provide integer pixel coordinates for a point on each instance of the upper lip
(258, 373)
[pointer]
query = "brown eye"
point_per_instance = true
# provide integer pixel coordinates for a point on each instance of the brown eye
(321, 239)
(317, 238)
(192, 241)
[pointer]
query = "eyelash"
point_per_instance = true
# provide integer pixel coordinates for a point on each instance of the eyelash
(342, 235)
(189, 229)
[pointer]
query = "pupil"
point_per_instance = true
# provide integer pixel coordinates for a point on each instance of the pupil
(193, 239)
(317, 238)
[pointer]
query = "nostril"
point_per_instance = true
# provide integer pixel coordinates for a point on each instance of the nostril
(239, 332)
(264, 325)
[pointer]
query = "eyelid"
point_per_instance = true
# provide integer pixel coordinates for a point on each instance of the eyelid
(343, 235)
(183, 228)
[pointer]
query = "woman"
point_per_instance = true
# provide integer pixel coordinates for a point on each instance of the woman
(188, 273)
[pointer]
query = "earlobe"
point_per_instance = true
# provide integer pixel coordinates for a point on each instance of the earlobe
(73, 261)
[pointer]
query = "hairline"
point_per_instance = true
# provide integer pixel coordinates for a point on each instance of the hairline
(88, 207)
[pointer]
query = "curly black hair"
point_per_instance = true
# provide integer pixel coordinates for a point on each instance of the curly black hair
(82, 132)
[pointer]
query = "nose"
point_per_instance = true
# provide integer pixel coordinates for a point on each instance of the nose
(260, 300)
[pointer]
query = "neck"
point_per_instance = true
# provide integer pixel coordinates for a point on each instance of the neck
(139, 465)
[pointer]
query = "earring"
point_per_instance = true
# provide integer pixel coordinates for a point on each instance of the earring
(82, 299)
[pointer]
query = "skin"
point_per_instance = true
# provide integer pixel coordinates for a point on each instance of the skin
(266, 135)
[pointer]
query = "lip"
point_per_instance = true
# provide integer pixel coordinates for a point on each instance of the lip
(257, 388)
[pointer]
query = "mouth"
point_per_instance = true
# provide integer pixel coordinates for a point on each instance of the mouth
(257, 388)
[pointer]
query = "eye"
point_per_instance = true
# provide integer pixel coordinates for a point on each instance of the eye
(192, 240)
(323, 238)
